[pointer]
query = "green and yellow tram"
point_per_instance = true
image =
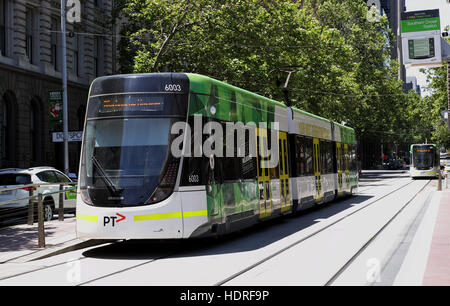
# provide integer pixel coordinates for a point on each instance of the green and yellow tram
(179, 155)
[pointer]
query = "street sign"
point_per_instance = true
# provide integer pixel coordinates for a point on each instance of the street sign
(73, 136)
(420, 21)
(421, 38)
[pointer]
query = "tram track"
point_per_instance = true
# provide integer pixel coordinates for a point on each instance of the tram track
(373, 237)
(266, 258)
(224, 281)
(263, 260)
(383, 181)
(297, 242)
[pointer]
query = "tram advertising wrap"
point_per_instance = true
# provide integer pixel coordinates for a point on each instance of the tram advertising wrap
(173, 155)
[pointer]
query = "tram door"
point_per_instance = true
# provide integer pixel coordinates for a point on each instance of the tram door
(283, 164)
(317, 167)
(339, 165)
(265, 202)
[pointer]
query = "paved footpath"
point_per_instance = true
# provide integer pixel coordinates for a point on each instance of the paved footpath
(437, 272)
(20, 242)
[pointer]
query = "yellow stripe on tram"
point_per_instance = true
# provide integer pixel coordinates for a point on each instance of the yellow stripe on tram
(195, 213)
(170, 215)
(87, 218)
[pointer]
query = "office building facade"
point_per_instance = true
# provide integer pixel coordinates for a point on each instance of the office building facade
(30, 73)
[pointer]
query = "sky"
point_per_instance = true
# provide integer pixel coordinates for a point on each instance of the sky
(444, 14)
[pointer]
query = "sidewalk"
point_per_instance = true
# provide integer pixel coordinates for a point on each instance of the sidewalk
(20, 242)
(437, 271)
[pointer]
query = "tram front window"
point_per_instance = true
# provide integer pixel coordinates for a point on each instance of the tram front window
(423, 158)
(124, 159)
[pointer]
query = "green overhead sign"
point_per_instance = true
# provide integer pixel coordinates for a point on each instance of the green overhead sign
(420, 21)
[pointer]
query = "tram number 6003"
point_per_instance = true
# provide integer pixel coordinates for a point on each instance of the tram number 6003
(172, 87)
(194, 178)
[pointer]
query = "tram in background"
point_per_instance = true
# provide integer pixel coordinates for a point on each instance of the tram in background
(132, 186)
(425, 160)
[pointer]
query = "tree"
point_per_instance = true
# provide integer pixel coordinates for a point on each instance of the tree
(341, 60)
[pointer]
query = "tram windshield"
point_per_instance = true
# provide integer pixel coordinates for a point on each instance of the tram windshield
(124, 159)
(423, 157)
(126, 148)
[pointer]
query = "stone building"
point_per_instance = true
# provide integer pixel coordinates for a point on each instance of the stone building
(30, 67)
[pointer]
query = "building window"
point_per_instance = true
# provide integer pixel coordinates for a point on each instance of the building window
(3, 27)
(29, 34)
(76, 54)
(4, 133)
(96, 56)
(7, 131)
(34, 131)
(54, 44)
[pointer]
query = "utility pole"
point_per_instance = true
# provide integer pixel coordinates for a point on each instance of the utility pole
(402, 70)
(64, 87)
(448, 93)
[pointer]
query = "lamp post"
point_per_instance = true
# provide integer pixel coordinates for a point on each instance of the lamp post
(64, 87)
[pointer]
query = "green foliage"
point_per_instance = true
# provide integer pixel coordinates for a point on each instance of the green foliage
(434, 104)
(342, 64)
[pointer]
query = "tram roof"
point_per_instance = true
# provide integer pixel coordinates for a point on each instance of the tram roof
(198, 78)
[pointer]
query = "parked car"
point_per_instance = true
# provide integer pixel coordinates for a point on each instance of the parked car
(392, 164)
(13, 177)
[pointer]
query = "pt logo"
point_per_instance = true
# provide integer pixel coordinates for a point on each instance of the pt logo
(113, 219)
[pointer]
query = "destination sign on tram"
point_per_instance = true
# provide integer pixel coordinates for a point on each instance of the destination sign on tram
(120, 103)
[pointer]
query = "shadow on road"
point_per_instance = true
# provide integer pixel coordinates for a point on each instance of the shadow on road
(253, 238)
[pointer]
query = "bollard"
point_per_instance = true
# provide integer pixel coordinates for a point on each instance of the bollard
(439, 181)
(61, 203)
(41, 233)
(30, 208)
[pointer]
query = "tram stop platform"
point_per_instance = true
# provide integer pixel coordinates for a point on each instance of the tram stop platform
(429, 253)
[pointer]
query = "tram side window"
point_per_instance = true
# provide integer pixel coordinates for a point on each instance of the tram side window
(326, 155)
(323, 159)
(300, 155)
(309, 170)
(353, 158)
(329, 156)
(275, 171)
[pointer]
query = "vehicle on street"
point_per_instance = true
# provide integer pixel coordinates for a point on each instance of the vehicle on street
(48, 180)
(425, 161)
(136, 182)
(392, 164)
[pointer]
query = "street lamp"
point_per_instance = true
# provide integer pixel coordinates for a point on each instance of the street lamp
(73, 15)
(64, 87)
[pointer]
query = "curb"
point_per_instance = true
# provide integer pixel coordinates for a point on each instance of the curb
(65, 247)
